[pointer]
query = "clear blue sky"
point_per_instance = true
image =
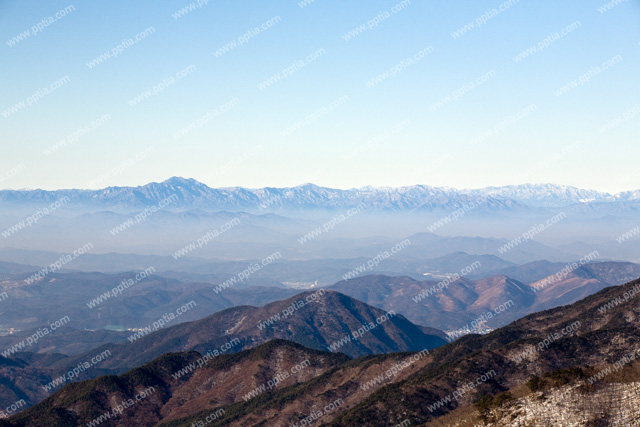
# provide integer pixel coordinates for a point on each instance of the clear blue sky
(392, 133)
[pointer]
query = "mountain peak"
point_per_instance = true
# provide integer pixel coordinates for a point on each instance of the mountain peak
(178, 180)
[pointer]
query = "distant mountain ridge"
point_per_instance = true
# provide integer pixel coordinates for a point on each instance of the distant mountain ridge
(459, 302)
(192, 194)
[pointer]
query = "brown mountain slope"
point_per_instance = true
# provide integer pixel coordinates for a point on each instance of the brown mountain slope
(158, 391)
(390, 389)
(320, 320)
(314, 319)
(452, 304)
(576, 282)
(591, 332)
(600, 329)
(319, 399)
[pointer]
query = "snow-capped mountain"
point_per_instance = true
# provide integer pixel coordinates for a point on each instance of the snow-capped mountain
(191, 194)
(547, 195)
(627, 196)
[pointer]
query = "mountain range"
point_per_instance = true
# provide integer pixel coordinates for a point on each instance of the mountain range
(192, 194)
(575, 363)
(452, 305)
(519, 224)
(320, 320)
(435, 295)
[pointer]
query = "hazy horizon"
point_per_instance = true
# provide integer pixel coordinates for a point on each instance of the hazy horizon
(391, 93)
